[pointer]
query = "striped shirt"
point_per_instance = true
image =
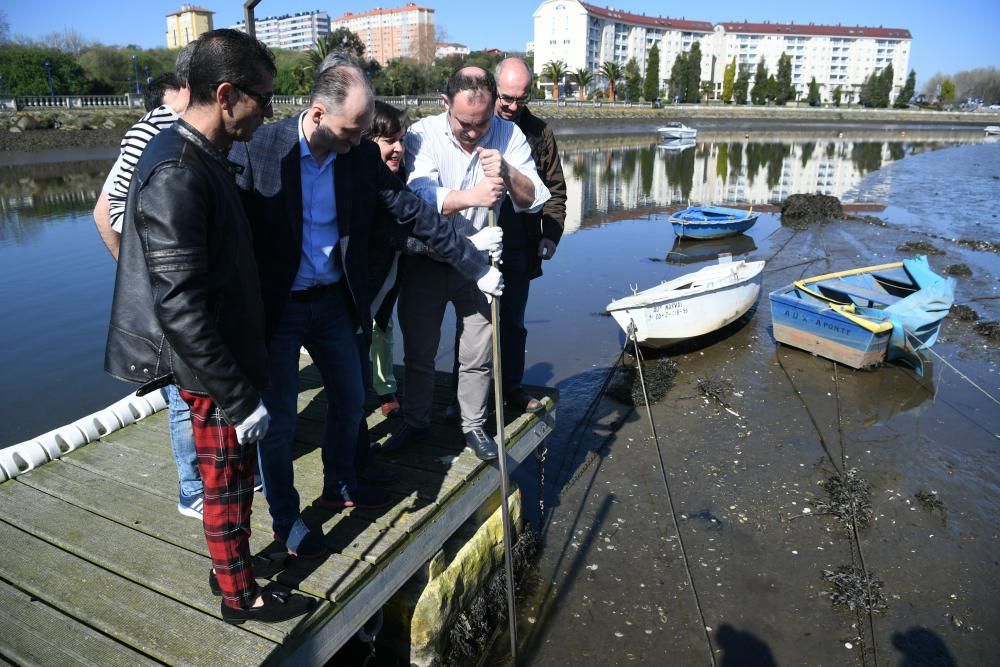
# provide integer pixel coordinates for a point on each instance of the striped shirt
(437, 164)
(133, 144)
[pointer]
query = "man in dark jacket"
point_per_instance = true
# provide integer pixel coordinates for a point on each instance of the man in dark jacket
(529, 238)
(314, 189)
(187, 307)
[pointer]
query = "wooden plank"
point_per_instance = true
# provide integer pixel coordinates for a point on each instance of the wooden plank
(352, 613)
(33, 633)
(171, 571)
(148, 622)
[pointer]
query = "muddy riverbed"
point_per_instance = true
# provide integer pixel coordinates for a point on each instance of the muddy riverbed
(747, 574)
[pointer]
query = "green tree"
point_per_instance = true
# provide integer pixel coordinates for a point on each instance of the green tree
(772, 88)
(706, 89)
(758, 94)
(401, 76)
(651, 84)
(837, 93)
(728, 79)
(814, 97)
(906, 94)
(582, 79)
(340, 39)
(947, 94)
(294, 76)
(678, 78)
(555, 71)
(867, 95)
(694, 73)
(633, 81)
(742, 85)
(784, 91)
(884, 86)
(24, 72)
(612, 72)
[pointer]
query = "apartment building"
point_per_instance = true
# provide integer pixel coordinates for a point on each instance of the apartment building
(584, 36)
(445, 49)
(403, 32)
(296, 32)
(186, 25)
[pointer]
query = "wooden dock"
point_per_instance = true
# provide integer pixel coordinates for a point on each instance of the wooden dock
(97, 566)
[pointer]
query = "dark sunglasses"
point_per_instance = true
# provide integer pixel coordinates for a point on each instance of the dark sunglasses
(264, 100)
(521, 101)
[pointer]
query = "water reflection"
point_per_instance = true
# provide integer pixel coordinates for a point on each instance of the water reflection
(686, 251)
(634, 174)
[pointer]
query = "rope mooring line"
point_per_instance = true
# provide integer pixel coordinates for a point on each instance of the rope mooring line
(670, 501)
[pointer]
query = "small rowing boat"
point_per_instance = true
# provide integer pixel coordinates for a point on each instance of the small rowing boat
(865, 316)
(691, 305)
(712, 222)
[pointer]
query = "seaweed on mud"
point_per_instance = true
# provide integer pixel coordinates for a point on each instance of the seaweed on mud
(990, 329)
(800, 210)
(856, 589)
(849, 498)
(958, 270)
(920, 247)
(929, 501)
(658, 373)
(717, 389)
(472, 630)
(964, 313)
(978, 244)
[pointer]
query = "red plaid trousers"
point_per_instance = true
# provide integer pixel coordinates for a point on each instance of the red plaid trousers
(227, 470)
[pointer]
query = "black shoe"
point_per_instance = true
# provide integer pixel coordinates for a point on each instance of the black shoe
(309, 548)
(264, 567)
(279, 605)
(374, 473)
(405, 436)
(520, 400)
(362, 497)
(482, 444)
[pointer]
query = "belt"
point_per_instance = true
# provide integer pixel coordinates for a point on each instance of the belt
(315, 293)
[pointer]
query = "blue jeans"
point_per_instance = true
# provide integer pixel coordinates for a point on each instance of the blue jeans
(326, 329)
(182, 443)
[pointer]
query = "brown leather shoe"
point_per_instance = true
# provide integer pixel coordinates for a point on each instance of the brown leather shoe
(521, 400)
(389, 406)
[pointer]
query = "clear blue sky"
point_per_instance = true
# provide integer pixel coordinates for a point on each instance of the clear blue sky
(948, 36)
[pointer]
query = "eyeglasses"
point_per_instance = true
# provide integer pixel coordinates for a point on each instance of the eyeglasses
(264, 99)
(520, 101)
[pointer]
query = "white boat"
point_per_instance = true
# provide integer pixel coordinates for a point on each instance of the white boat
(691, 305)
(676, 145)
(992, 129)
(677, 131)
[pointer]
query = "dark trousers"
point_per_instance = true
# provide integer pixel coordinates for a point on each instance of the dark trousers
(227, 469)
(513, 303)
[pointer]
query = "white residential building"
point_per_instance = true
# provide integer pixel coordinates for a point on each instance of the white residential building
(584, 36)
(445, 49)
(297, 32)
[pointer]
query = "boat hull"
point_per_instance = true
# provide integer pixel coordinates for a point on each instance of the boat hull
(669, 321)
(711, 230)
(827, 334)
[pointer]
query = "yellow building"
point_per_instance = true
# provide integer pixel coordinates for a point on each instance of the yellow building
(186, 25)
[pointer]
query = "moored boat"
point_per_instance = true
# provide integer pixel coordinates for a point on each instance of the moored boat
(691, 305)
(677, 130)
(864, 316)
(992, 129)
(712, 222)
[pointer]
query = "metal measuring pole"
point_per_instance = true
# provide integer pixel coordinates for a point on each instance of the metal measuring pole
(502, 459)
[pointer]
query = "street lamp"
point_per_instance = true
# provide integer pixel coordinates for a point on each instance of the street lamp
(135, 68)
(146, 69)
(48, 69)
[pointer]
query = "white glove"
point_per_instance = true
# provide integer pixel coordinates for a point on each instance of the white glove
(491, 284)
(254, 427)
(489, 239)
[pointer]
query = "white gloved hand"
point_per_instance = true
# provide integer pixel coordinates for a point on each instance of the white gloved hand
(489, 239)
(491, 284)
(254, 427)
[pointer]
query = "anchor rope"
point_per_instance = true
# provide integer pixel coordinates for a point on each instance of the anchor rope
(670, 501)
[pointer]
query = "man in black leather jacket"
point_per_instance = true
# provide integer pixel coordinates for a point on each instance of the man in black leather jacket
(187, 308)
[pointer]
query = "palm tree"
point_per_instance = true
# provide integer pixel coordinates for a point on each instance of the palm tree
(611, 71)
(582, 79)
(554, 71)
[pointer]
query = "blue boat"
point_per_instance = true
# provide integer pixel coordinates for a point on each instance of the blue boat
(866, 316)
(711, 222)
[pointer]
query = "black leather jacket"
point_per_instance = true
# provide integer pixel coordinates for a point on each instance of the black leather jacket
(187, 308)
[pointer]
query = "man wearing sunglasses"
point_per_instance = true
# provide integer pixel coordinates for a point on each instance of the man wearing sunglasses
(529, 237)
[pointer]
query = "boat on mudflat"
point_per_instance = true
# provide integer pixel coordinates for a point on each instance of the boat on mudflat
(692, 305)
(865, 316)
(712, 222)
(676, 130)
